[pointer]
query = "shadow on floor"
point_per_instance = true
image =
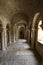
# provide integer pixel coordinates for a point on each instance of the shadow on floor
(38, 57)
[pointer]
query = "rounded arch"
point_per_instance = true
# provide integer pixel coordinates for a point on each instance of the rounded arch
(21, 31)
(17, 20)
(3, 23)
(18, 17)
(35, 20)
(16, 28)
(34, 29)
(21, 26)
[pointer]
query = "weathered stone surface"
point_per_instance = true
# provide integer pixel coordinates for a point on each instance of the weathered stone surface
(18, 54)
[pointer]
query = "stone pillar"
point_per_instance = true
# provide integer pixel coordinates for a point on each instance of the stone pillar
(3, 44)
(10, 38)
(10, 41)
(32, 38)
(26, 33)
(28, 36)
(4, 39)
(16, 33)
(14, 36)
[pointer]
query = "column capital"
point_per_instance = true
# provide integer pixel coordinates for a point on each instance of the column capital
(4, 29)
(34, 29)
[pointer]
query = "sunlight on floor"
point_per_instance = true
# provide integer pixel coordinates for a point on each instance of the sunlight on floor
(19, 54)
(22, 40)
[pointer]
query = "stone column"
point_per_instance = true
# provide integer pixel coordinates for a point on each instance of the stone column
(32, 38)
(14, 35)
(4, 38)
(10, 37)
(28, 36)
(26, 33)
(3, 44)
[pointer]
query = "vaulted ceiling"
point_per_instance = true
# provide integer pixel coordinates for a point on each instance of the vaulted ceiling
(9, 8)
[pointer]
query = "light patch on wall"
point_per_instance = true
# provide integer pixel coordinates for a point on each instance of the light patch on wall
(40, 33)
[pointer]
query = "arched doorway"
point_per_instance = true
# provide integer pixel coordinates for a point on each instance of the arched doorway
(34, 30)
(40, 32)
(1, 35)
(7, 34)
(21, 33)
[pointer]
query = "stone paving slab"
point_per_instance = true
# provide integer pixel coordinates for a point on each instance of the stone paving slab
(16, 54)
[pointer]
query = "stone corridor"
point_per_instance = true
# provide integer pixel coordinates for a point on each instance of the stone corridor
(18, 53)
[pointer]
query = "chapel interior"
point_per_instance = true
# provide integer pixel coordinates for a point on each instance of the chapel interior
(21, 32)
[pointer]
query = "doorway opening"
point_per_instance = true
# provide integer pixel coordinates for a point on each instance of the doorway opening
(21, 33)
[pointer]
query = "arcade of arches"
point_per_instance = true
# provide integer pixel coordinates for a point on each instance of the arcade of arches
(21, 24)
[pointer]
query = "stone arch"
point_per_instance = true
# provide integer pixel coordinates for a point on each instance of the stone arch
(4, 22)
(21, 32)
(34, 29)
(17, 27)
(18, 18)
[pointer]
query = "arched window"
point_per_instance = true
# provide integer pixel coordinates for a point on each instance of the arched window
(40, 32)
(37, 30)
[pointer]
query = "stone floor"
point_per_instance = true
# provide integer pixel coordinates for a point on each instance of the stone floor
(18, 53)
